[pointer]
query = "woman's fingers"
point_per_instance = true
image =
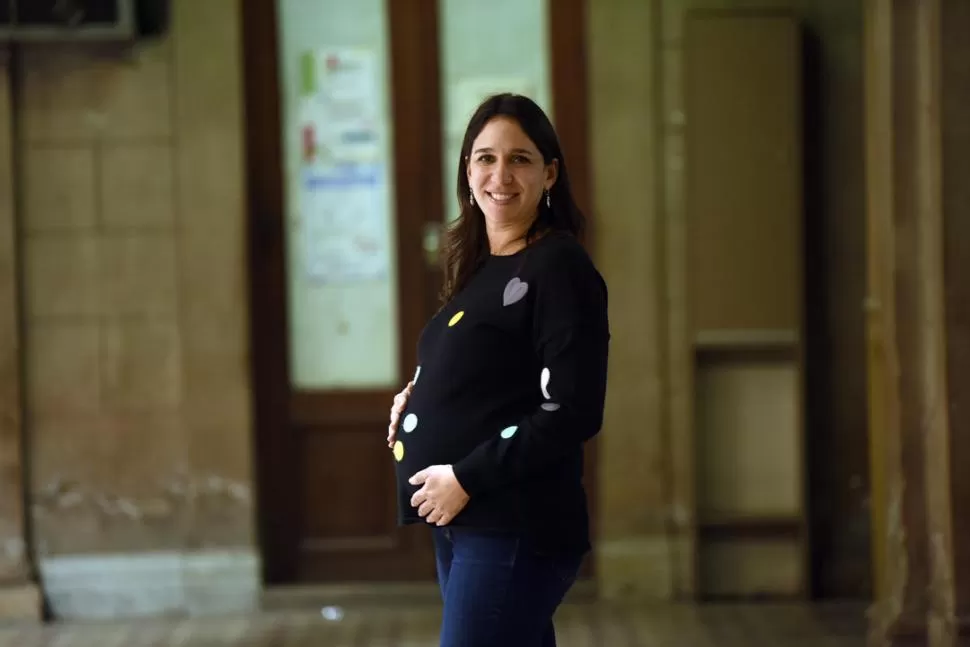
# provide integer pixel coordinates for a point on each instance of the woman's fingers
(397, 408)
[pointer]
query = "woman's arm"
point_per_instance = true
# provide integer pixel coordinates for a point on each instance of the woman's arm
(571, 337)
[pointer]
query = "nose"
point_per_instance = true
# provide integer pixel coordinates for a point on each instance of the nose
(504, 172)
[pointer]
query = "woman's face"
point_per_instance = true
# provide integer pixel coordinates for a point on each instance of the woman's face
(507, 174)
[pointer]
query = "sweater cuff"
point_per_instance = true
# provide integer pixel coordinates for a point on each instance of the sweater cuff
(472, 474)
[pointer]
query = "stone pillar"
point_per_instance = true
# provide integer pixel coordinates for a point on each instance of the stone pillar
(222, 571)
(19, 596)
(909, 424)
(955, 81)
(633, 550)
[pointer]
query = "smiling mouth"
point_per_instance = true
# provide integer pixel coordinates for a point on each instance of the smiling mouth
(501, 198)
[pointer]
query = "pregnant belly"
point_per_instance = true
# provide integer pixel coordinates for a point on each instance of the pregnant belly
(425, 445)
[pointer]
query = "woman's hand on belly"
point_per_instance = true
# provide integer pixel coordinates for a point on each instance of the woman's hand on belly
(441, 497)
(400, 401)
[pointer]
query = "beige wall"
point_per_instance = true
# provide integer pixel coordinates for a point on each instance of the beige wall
(137, 397)
(136, 373)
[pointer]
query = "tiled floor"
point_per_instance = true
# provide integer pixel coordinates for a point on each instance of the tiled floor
(579, 625)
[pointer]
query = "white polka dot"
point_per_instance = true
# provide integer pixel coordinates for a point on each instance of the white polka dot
(550, 406)
(508, 432)
(544, 383)
(410, 422)
(417, 372)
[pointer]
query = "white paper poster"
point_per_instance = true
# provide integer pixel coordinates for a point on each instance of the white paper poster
(343, 191)
(344, 224)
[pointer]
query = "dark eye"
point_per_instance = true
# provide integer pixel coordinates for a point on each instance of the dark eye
(520, 159)
(486, 158)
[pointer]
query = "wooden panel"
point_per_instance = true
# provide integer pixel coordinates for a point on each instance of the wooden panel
(743, 185)
(344, 496)
(744, 208)
(349, 509)
(753, 569)
(749, 459)
(338, 407)
(750, 482)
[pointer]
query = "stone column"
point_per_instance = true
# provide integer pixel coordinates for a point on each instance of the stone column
(955, 83)
(222, 570)
(19, 596)
(909, 424)
(633, 547)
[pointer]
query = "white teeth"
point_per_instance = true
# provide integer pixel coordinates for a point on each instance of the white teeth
(501, 197)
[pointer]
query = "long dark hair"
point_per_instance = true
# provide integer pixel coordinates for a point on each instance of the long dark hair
(466, 241)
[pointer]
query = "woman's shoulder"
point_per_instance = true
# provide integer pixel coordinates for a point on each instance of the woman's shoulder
(569, 289)
(561, 252)
(560, 266)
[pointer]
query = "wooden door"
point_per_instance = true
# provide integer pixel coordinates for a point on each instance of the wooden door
(325, 476)
(326, 494)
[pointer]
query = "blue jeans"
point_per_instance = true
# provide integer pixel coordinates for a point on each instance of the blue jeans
(497, 590)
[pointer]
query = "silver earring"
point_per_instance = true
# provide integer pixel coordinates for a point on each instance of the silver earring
(471, 197)
(548, 199)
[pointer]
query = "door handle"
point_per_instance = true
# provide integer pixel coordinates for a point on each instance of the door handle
(431, 244)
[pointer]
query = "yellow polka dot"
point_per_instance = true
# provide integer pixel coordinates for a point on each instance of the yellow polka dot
(456, 318)
(399, 451)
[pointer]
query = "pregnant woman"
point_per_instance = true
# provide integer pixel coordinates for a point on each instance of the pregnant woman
(488, 436)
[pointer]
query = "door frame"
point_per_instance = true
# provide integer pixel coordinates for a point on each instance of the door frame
(415, 76)
(568, 62)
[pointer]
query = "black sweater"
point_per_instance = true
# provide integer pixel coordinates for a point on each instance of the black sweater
(510, 383)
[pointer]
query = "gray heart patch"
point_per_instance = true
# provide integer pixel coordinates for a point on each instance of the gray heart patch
(515, 290)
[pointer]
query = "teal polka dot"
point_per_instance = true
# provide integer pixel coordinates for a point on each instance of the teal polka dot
(508, 432)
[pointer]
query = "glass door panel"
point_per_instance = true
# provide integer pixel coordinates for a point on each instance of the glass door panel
(337, 138)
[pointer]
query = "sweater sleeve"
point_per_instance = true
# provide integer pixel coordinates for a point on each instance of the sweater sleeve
(571, 339)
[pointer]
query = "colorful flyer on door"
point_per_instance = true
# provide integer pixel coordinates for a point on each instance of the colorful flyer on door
(340, 107)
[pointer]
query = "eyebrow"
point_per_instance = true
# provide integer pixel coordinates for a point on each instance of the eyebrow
(514, 150)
